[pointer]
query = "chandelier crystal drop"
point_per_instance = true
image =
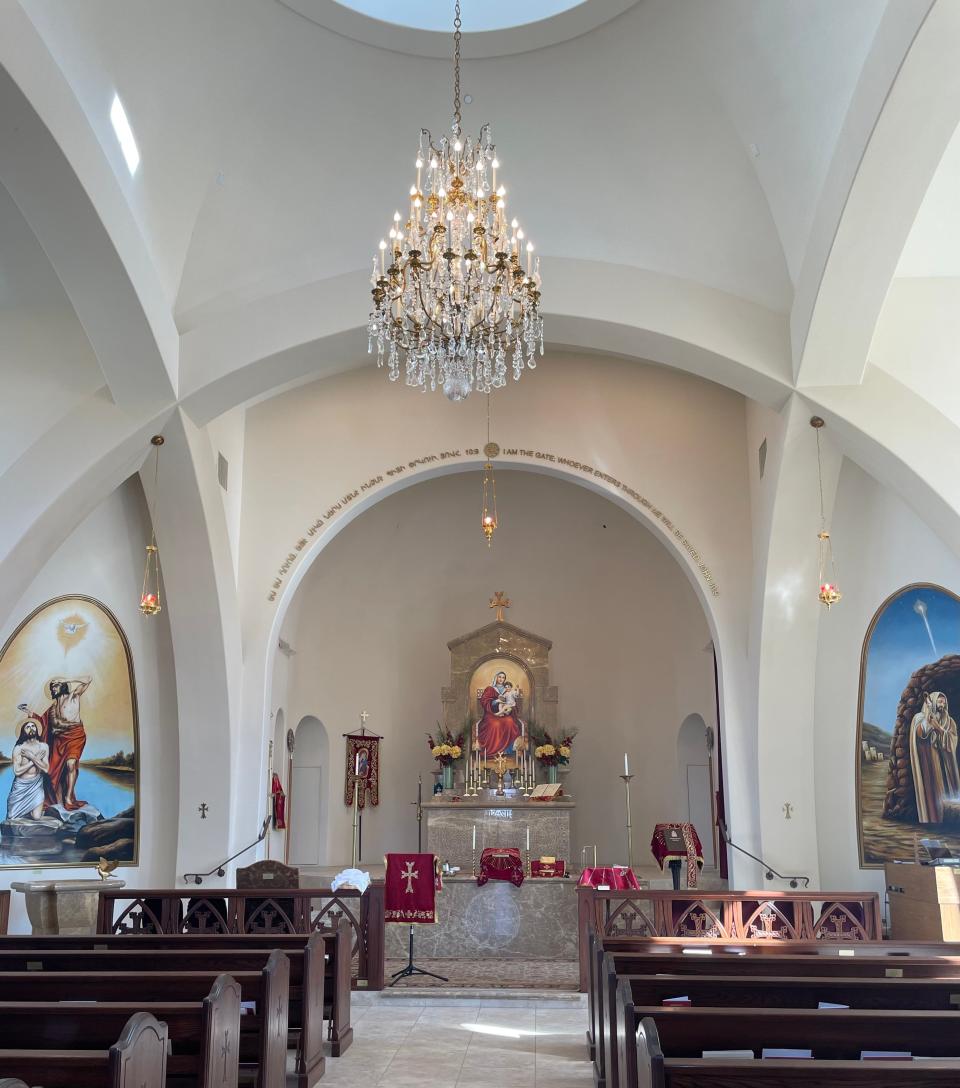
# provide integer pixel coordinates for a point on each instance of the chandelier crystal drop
(456, 287)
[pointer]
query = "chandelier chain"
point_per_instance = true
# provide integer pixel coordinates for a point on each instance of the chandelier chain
(456, 68)
(823, 518)
(456, 288)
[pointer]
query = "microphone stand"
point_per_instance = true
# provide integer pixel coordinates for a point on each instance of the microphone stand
(411, 969)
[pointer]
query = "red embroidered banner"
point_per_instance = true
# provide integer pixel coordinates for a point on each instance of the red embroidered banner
(363, 769)
(412, 883)
(279, 803)
(678, 842)
(500, 863)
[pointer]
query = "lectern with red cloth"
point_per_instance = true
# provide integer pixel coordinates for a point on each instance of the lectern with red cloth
(675, 844)
(501, 863)
(411, 887)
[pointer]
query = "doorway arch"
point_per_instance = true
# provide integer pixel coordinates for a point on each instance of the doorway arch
(695, 782)
(309, 795)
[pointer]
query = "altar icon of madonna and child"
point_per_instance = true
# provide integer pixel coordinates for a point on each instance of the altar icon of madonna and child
(500, 690)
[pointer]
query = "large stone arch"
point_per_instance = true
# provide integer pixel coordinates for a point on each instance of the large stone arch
(729, 643)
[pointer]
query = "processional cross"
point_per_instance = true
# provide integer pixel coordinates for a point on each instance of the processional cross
(409, 875)
(499, 601)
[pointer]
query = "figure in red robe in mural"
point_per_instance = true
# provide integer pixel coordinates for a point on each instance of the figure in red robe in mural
(500, 727)
(62, 729)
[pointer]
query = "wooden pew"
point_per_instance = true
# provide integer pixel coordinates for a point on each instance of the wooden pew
(746, 991)
(204, 1035)
(334, 993)
(609, 967)
(138, 1059)
(263, 1035)
(650, 1069)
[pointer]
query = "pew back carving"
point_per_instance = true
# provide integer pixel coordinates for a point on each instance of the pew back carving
(227, 911)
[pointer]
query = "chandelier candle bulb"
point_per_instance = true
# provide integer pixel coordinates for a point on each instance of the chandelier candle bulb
(626, 764)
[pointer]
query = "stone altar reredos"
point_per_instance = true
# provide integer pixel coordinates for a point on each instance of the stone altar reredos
(499, 822)
(499, 639)
(66, 907)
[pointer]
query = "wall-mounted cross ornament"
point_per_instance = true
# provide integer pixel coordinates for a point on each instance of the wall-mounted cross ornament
(364, 718)
(787, 811)
(203, 809)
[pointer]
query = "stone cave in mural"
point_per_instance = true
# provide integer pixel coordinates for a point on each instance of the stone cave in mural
(908, 783)
(68, 739)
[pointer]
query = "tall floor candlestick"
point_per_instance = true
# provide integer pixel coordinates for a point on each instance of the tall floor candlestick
(626, 782)
(356, 813)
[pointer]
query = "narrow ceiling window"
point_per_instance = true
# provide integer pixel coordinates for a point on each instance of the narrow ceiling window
(121, 126)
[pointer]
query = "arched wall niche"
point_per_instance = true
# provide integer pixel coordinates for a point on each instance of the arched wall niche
(309, 793)
(694, 781)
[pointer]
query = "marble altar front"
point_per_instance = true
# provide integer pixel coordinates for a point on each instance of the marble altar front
(538, 920)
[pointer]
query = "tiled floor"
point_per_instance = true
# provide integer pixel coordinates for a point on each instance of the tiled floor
(469, 1042)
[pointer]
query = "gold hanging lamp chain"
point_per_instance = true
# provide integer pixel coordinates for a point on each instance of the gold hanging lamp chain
(157, 441)
(823, 516)
(456, 67)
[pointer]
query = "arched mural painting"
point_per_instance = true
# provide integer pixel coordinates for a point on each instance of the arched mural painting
(69, 768)
(908, 784)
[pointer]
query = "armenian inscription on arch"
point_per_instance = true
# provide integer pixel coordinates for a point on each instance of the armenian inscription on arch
(345, 500)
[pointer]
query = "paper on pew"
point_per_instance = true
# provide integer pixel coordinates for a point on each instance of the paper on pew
(830, 1005)
(247, 1006)
(729, 1055)
(885, 1056)
(785, 1052)
(697, 951)
(684, 1000)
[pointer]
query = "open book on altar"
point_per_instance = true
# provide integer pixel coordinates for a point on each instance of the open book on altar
(546, 791)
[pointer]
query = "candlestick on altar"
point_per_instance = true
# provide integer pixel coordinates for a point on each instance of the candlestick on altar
(626, 782)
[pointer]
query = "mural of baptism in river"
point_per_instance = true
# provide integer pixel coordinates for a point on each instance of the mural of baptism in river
(908, 780)
(68, 739)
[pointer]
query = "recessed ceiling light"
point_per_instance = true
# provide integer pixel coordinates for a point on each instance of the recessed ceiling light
(121, 126)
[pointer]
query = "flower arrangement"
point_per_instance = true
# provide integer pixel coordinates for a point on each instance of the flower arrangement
(446, 748)
(549, 752)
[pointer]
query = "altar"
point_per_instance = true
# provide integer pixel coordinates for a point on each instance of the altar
(500, 685)
(538, 920)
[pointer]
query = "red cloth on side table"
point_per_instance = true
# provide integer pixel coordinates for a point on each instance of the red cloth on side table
(543, 869)
(500, 863)
(412, 883)
(616, 877)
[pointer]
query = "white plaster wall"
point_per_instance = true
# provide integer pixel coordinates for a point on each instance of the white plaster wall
(226, 436)
(103, 558)
(880, 545)
(378, 608)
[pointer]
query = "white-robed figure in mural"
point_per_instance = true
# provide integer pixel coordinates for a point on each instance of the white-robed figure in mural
(933, 758)
(31, 762)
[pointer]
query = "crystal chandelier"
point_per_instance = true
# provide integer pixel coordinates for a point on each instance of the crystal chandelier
(829, 592)
(453, 303)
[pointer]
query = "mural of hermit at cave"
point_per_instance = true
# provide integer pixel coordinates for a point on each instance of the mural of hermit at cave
(68, 739)
(908, 779)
